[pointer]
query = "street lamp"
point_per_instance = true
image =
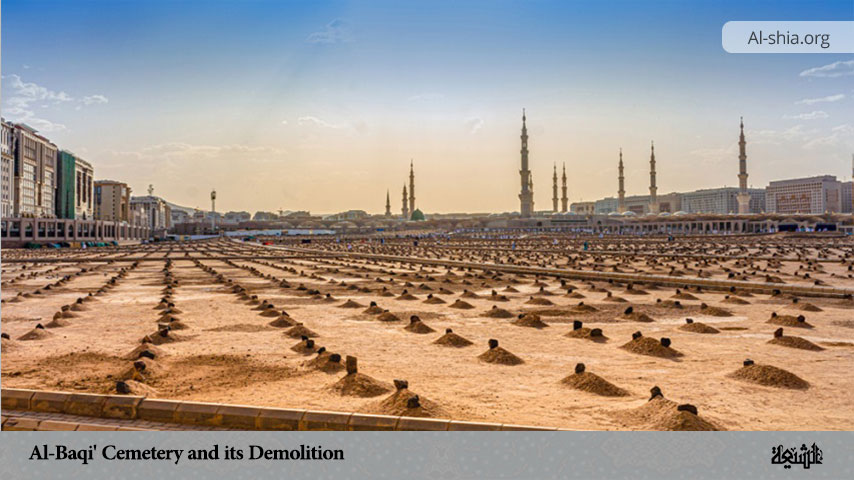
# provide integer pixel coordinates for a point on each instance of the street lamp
(213, 210)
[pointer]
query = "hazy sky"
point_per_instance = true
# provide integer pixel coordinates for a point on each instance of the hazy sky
(320, 105)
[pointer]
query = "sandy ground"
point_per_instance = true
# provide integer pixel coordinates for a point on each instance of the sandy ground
(229, 354)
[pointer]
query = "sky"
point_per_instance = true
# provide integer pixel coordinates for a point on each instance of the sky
(321, 105)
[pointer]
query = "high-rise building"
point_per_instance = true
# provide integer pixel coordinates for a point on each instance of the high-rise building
(7, 181)
(112, 201)
(813, 195)
(84, 186)
(35, 173)
(66, 173)
(74, 186)
(847, 202)
(526, 197)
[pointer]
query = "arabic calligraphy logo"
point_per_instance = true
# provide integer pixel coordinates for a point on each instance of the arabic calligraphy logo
(806, 456)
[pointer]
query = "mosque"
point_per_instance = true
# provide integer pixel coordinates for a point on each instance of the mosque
(638, 215)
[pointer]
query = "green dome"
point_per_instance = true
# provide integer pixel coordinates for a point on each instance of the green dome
(417, 215)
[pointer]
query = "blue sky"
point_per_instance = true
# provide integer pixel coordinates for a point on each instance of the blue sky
(320, 105)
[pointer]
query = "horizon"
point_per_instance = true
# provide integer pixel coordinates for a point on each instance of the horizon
(321, 107)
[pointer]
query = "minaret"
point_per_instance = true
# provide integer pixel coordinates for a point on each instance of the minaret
(743, 196)
(653, 190)
(554, 190)
(411, 186)
(564, 199)
(405, 209)
(387, 204)
(621, 191)
(526, 197)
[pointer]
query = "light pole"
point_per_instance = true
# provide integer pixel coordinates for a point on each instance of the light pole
(213, 210)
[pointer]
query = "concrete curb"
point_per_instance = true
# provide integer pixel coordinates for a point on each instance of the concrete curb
(239, 417)
(804, 290)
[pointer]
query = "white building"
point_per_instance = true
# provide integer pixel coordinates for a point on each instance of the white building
(153, 210)
(35, 173)
(721, 200)
(639, 204)
(7, 181)
(261, 216)
(812, 195)
(234, 218)
(847, 197)
(112, 201)
(348, 215)
(75, 185)
(583, 208)
(179, 216)
(84, 186)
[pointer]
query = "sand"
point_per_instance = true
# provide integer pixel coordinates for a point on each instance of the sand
(496, 312)
(636, 316)
(37, 333)
(433, 300)
(451, 339)
(795, 342)
(650, 346)
(770, 376)
(299, 330)
(147, 349)
(584, 308)
(461, 304)
(539, 301)
(500, 356)
(224, 359)
(592, 383)
(788, 321)
(663, 415)
(531, 320)
(418, 327)
(305, 347)
(282, 322)
(714, 311)
(734, 301)
(373, 310)
(351, 304)
(399, 404)
(326, 362)
(587, 334)
(388, 317)
(360, 385)
(132, 387)
(699, 327)
(683, 296)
